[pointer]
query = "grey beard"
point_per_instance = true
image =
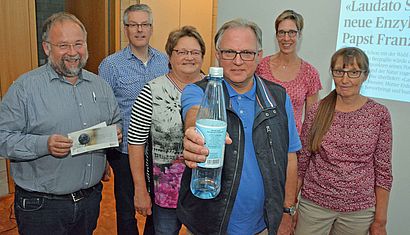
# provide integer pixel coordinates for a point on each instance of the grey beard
(62, 69)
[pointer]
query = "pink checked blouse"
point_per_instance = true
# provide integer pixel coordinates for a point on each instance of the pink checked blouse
(354, 157)
(305, 84)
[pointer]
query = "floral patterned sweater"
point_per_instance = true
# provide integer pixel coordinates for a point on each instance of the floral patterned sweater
(156, 116)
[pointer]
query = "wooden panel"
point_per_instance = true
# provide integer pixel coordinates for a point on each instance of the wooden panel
(18, 40)
(115, 26)
(199, 14)
(10, 179)
(94, 15)
(166, 18)
(18, 46)
(172, 14)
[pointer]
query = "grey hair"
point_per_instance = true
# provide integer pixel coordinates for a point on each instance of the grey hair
(239, 23)
(60, 17)
(138, 7)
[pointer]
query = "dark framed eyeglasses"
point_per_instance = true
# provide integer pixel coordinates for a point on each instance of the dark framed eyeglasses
(231, 55)
(66, 46)
(338, 73)
(290, 33)
(194, 53)
(136, 25)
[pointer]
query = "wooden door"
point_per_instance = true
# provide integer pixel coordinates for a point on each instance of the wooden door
(166, 19)
(18, 40)
(200, 15)
(173, 14)
(101, 19)
(18, 46)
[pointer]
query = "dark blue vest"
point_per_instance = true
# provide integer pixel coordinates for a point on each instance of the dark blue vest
(271, 141)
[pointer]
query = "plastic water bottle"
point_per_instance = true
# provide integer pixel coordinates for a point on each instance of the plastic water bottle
(211, 124)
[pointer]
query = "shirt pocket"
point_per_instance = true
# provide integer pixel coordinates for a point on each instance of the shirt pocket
(130, 86)
(104, 110)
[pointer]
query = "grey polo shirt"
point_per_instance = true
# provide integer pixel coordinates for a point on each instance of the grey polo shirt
(41, 103)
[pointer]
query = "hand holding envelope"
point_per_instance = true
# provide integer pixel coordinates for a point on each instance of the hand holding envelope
(94, 138)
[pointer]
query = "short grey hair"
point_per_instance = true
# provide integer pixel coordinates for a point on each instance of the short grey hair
(60, 17)
(239, 23)
(138, 7)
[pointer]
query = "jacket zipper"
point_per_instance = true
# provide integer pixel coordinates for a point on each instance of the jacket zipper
(234, 177)
(268, 132)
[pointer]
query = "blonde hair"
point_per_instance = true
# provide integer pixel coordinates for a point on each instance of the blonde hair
(290, 15)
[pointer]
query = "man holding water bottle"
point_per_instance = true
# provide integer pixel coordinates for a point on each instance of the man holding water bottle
(259, 174)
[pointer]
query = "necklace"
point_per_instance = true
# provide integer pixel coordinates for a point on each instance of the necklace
(180, 82)
(280, 62)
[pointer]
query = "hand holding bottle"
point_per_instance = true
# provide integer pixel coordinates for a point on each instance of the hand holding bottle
(194, 147)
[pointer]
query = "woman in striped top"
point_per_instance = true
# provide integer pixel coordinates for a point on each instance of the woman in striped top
(156, 131)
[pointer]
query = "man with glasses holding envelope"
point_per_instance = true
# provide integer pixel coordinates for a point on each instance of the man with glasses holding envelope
(56, 192)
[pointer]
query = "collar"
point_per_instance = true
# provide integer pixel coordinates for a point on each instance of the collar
(249, 94)
(52, 74)
(130, 56)
(259, 91)
(264, 97)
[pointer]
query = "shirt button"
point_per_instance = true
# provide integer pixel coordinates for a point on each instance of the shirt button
(267, 114)
(239, 98)
(84, 124)
(86, 183)
(80, 104)
(235, 152)
(241, 111)
(88, 164)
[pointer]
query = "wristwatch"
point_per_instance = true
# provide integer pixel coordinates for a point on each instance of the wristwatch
(290, 210)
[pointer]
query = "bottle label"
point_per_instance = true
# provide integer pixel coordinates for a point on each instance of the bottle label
(214, 133)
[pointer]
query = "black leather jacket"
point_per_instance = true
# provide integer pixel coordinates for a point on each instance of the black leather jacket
(270, 139)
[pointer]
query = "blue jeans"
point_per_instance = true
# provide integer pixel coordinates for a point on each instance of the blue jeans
(165, 221)
(38, 215)
(124, 195)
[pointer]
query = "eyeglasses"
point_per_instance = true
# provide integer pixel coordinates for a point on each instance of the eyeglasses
(351, 74)
(231, 55)
(194, 53)
(136, 25)
(290, 33)
(66, 46)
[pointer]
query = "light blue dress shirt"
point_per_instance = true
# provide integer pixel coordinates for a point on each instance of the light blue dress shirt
(127, 75)
(41, 103)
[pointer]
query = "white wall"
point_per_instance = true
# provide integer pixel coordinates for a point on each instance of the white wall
(317, 45)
